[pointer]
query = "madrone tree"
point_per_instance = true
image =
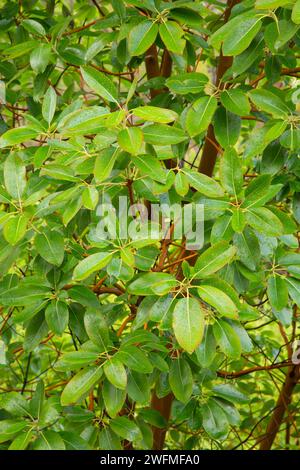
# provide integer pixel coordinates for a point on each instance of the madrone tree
(140, 341)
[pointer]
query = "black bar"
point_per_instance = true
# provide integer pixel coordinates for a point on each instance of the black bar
(135, 459)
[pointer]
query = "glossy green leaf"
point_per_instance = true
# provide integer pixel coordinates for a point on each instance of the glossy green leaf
(100, 83)
(204, 184)
(200, 115)
(79, 386)
(89, 265)
(130, 139)
(213, 259)
(231, 173)
(96, 328)
(161, 134)
(152, 284)
(141, 37)
(236, 101)
(50, 246)
(188, 323)
(218, 299)
(116, 373)
(155, 114)
(181, 380)
(227, 339)
(57, 316)
(171, 34)
(49, 105)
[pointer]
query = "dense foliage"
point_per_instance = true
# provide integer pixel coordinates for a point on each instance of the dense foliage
(108, 342)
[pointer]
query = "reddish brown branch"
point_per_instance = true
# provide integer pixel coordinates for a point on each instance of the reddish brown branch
(251, 370)
(211, 147)
(284, 399)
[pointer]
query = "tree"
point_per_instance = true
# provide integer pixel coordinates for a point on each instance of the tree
(113, 337)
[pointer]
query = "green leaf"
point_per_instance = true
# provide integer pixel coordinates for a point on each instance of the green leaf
(141, 37)
(113, 397)
(181, 184)
(126, 428)
(80, 385)
(138, 388)
(296, 12)
(256, 191)
(185, 83)
(24, 294)
(20, 49)
(51, 440)
(269, 102)
(218, 299)
(71, 210)
(9, 428)
(171, 34)
(230, 393)
(227, 127)
(49, 105)
(235, 101)
(240, 35)
(200, 115)
(270, 4)
(227, 339)
(14, 172)
(221, 229)
(59, 172)
(36, 330)
(294, 289)
(108, 440)
(100, 83)
(104, 164)
(203, 184)
(272, 158)
(73, 441)
(17, 136)
(181, 380)
(96, 328)
(152, 284)
(40, 57)
(231, 173)
(83, 121)
(21, 441)
(90, 197)
(91, 264)
(248, 250)
(50, 246)
(33, 27)
(150, 166)
(263, 220)
(116, 373)
(130, 139)
(188, 323)
(213, 259)
(243, 61)
(154, 114)
(215, 422)
(57, 316)
(161, 134)
(238, 220)
(135, 359)
(15, 228)
(75, 360)
(277, 292)
(206, 351)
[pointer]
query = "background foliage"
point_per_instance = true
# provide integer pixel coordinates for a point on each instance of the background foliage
(119, 344)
